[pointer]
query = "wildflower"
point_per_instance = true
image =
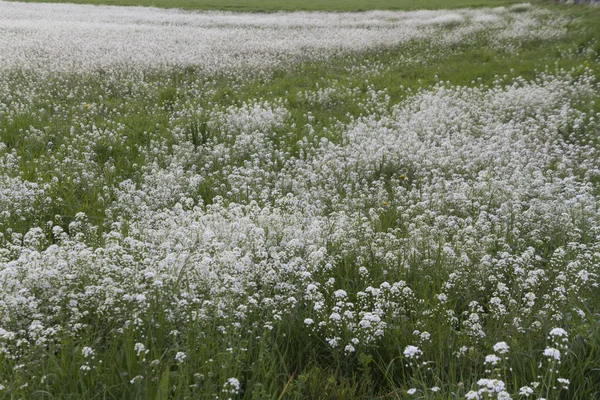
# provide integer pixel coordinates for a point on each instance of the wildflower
(180, 356)
(232, 385)
(139, 348)
(472, 395)
(493, 385)
(411, 391)
(552, 353)
(504, 396)
(525, 391)
(501, 348)
(335, 317)
(87, 352)
(309, 321)
(558, 332)
(412, 352)
(565, 382)
(492, 359)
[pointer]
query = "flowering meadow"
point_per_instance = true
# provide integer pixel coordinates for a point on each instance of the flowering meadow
(383, 204)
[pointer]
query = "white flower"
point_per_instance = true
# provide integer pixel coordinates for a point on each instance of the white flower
(139, 348)
(565, 382)
(4, 334)
(87, 352)
(525, 391)
(472, 395)
(551, 352)
(435, 389)
(180, 356)
(493, 385)
(232, 385)
(309, 321)
(558, 332)
(340, 294)
(491, 359)
(412, 352)
(498, 386)
(335, 317)
(501, 348)
(504, 396)
(411, 391)
(364, 323)
(349, 349)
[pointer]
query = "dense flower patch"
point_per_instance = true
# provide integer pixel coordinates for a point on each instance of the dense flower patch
(51, 37)
(457, 230)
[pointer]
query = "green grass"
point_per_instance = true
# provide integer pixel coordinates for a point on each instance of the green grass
(297, 5)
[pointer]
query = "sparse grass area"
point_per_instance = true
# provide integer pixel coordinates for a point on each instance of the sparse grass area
(193, 231)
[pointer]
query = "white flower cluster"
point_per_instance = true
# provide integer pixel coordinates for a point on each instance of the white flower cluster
(66, 37)
(488, 173)
(234, 219)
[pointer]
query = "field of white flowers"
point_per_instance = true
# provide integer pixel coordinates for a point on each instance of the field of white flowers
(166, 232)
